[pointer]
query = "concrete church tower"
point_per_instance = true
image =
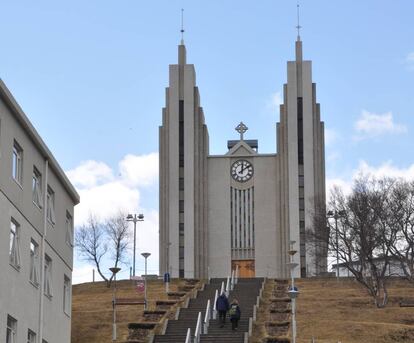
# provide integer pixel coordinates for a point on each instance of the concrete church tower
(301, 150)
(183, 175)
(242, 208)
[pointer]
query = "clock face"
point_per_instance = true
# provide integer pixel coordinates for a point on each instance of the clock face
(242, 170)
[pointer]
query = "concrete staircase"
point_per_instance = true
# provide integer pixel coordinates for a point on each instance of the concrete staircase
(245, 291)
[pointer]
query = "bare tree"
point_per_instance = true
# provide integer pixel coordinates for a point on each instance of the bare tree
(402, 211)
(91, 243)
(364, 234)
(119, 237)
(96, 240)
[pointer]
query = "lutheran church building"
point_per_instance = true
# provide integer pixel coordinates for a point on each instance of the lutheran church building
(242, 208)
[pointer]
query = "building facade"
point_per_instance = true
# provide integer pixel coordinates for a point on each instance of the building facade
(36, 233)
(242, 208)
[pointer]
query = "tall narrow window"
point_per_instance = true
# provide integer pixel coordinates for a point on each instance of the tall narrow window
(14, 251)
(11, 331)
(66, 295)
(69, 229)
(37, 188)
(48, 276)
(17, 170)
(31, 336)
(34, 262)
(51, 206)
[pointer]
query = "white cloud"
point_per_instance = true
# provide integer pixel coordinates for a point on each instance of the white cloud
(90, 173)
(104, 192)
(140, 170)
(383, 170)
(409, 61)
(371, 125)
(274, 102)
(387, 169)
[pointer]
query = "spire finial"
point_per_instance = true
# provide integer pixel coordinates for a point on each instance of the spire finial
(298, 27)
(182, 26)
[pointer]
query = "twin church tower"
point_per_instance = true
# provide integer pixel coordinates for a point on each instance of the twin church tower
(242, 208)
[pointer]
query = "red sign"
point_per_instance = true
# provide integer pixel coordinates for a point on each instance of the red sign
(140, 286)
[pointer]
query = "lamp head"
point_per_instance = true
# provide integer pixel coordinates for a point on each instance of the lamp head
(114, 270)
(146, 254)
(130, 217)
(140, 216)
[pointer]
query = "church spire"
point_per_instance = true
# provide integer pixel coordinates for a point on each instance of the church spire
(298, 43)
(298, 27)
(182, 53)
(182, 26)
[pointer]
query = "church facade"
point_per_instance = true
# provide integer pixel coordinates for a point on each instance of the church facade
(242, 208)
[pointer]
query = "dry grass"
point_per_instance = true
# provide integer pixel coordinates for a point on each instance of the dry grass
(92, 309)
(332, 312)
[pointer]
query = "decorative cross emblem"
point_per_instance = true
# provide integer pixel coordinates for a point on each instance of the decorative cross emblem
(241, 128)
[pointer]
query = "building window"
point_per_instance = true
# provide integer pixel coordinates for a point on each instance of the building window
(69, 229)
(34, 262)
(48, 277)
(37, 188)
(17, 163)
(51, 206)
(11, 333)
(66, 295)
(14, 251)
(31, 336)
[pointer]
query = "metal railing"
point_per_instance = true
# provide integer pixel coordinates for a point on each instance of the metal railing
(232, 280)
(188, 337)
(222, 288)
(198, 329)
(207, 317)
(228, 287)
(214, 305)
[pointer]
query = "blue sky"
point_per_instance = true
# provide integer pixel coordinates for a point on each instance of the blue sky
(91, 76)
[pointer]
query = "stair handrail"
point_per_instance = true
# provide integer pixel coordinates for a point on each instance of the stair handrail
(188, 337)
(214, 305)
(228, 287)
(197, 332)
(232, 280)
(207, 317)
(237, 274)
(222, 288)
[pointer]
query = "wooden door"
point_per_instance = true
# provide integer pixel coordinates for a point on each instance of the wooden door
(246, 268)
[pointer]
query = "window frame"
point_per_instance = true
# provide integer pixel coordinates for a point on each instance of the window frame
(14, 244)
(11, 329)
(37, 195)
(66, 294)
(47, 286)
(34, 263)
(31, 336)
(51, 214)
(17, 163)
(69, 230)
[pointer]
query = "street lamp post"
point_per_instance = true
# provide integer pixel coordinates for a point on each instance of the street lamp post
(335, 215)
(114, 271)
(145, 255)
(134, 218)
(293, 292)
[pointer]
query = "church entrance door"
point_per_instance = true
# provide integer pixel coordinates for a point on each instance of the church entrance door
(246, 268)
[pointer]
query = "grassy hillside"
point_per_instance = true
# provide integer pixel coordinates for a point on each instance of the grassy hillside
(92, 309)
(326, 310)
(332, 312)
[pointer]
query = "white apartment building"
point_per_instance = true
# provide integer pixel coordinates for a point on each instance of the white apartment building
(36, 234)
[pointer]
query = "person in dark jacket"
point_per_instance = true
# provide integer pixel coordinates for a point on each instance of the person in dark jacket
(234, 313)
(222, 306)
